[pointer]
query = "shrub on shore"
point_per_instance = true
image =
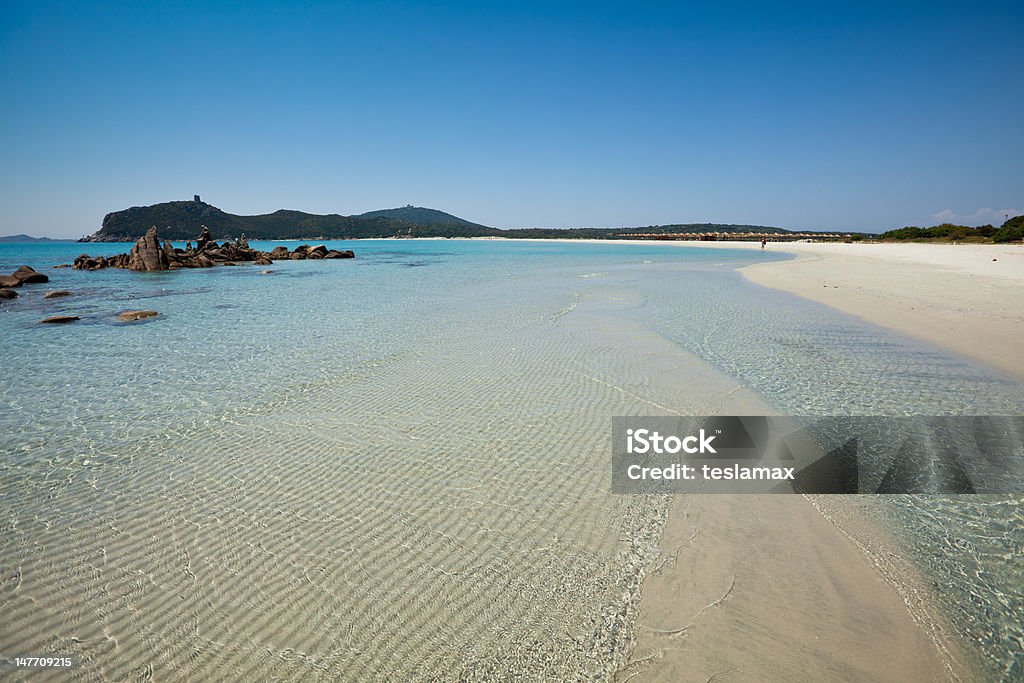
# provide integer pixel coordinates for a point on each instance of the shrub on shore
(1011, 230)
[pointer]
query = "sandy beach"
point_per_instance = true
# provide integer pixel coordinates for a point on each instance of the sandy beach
(968, 298)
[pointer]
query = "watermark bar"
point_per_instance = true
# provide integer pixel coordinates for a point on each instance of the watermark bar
(841, 454)
(37, 661)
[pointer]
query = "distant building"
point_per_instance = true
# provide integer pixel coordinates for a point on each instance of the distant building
(196, 198)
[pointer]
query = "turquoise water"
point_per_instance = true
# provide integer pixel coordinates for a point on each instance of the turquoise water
(334, 438)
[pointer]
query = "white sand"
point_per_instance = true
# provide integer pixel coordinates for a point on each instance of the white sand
(967, 298)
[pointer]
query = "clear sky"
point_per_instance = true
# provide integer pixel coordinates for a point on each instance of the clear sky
(820, 115)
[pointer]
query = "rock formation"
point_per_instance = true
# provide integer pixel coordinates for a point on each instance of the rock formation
(60, 319)
(148, 254)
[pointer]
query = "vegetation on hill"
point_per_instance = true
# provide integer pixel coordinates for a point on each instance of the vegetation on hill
(182, 220)
(1012, 230)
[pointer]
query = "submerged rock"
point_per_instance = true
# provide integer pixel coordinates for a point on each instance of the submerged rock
(8, 293)
(131, 316)
(56, 294)
(60, 319)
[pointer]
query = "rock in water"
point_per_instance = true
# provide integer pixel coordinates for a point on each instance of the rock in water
(204, 238)
(56, 294)
(149, 254)
(8, 293)
(131, 316)
(170, 254)
(27, 276)
(9, 281)
(146, 253)
(60, 319)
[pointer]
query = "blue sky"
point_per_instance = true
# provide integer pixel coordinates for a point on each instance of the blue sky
(819, 115)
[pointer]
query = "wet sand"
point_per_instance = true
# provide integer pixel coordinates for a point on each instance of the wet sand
(756, 588)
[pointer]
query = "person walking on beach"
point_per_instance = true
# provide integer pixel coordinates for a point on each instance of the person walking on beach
(763, 243)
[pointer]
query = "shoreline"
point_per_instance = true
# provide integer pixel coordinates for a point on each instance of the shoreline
(968, 299)
(964, 298)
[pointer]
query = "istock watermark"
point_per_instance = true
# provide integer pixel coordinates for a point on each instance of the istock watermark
(799, 454)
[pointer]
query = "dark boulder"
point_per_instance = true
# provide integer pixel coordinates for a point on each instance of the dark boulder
(279, 252)
(28, 276)
(334, 253)
(60, 319)
(8, 293)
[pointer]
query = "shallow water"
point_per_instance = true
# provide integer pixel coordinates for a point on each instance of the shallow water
(348, 468)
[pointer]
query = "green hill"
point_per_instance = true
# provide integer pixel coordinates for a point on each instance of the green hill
(182, 220)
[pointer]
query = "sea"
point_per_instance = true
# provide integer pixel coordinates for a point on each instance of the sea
(396, 467)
